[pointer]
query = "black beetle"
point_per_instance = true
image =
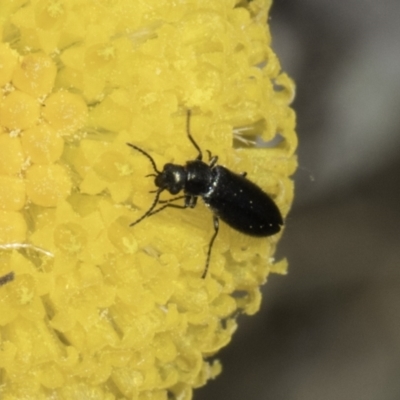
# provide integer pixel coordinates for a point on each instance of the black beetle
(233, 198)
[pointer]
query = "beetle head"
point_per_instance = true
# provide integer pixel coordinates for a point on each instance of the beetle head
(172, 178)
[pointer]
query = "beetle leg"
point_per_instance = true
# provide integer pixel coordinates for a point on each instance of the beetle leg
(173, 199)
(216, 228)
(212, 160)
(190, 201)
(168, 203)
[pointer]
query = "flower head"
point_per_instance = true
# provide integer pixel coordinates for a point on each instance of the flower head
(104, 310)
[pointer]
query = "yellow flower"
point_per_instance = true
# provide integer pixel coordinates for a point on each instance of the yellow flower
(98, 309)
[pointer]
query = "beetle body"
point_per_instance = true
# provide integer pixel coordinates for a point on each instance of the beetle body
(242, 204)
(232, 198)
(237, 201)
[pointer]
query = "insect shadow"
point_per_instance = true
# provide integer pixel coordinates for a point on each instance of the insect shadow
(237, 201)
(6, 278)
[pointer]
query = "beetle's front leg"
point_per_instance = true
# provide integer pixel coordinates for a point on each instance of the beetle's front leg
(190, 201)
(168, 203)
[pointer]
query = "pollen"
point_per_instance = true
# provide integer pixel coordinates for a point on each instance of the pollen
(99, 309)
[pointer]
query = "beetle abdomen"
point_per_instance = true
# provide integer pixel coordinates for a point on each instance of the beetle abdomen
(242, 204)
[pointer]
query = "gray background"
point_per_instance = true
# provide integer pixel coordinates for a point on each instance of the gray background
(331, 328)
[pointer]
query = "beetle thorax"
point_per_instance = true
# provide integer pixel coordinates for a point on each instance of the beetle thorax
(199, 178)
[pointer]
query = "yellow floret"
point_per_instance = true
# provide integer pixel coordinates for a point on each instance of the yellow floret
(19, 111)
(35, 75)
(12, 227)
(42, 144)
(11, 155)
(46, 185)
(8, 62)
(65, 112)
(12, 193)
(99, 309)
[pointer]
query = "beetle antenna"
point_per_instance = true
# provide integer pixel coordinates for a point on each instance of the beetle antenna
(200, 156)
(147, 155)
(153, 205)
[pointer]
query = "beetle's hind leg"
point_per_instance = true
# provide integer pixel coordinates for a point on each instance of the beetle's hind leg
(216, 229)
